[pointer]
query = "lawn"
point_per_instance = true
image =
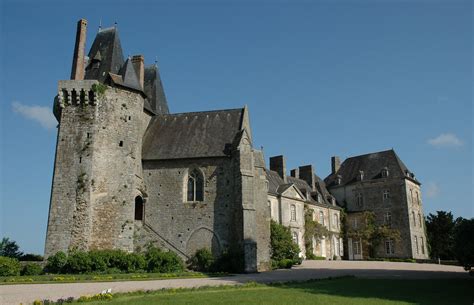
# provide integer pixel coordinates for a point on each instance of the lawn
(74, 278)
(344, 291)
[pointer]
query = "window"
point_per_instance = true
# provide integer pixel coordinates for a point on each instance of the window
(416, 245)
(355, 223)
(195, 191)
(121, 143)
(389, 249)
(417, 197)
(295, 237)
(419, 221)
(385, 172)
(138, 208)
(293, 212)
(411, 196)
(361, 175)
(414, 219)
(336, 221)
(360, 200)
(386, 195)
(321, 217)
(422, 245)
(388, 219)
(356, 247)
(336, 246)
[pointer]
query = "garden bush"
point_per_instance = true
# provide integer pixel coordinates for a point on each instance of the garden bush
(282, 246)
(56, 263)
(9, 266)
(31, 269)
(78, 262)
(202, 260)
(163, 262)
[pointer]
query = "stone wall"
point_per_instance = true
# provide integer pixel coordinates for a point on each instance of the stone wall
(97, 168)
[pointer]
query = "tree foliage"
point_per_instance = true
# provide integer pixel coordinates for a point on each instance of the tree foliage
(312, 229)
(9, 248)
(371, 234)
(282, 245)
(440, 233)
(464, 243)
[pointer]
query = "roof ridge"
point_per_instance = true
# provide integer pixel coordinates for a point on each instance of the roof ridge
(372, 153)
(199, 112)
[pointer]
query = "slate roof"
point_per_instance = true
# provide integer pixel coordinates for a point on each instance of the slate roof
(276, 186)
(192, 134)
(372, 165)
(106, 51)
(154, 90)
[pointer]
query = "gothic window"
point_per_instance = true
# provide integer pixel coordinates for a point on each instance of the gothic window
(419, 220)
(416, 245)
(417, 197)
(422, 245)
(388, 219)
(293, 212)
(389, 248)
(195, 186)
(360, 200)
(414, 219)
(138, 208)
(321, 217)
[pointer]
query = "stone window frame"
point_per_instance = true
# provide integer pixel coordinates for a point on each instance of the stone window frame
(360, 199)
(385, 172)
(292, 212)
(420, 223)
(321, 217)
(386, 195)
(416, 245)
(294, 237)
(336, 220)
(389, 246)
(388, 218)
(356, 247)
(422, 245)
(414, 218)
(200, 173)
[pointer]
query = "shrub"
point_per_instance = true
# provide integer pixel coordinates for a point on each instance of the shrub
(32, 269)
(202, 260)
(98, 262)
(285, 263)
(31, 257)
(56, 263)
(282, 244)
(135, 262)
(78, 262)
(163, 262)
(464, 243)
(9, 266)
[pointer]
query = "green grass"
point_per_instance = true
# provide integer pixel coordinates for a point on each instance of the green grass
(74, 278)
(344, 291)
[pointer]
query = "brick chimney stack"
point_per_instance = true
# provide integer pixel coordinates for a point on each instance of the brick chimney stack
(138, 62)
(77, 71)
(307, 174)
(335, 164)
(278, 165)
(295, 173)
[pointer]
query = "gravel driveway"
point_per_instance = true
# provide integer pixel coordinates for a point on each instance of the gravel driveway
(27, 293)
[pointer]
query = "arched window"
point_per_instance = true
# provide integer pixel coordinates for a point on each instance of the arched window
(138, 208)
(293, 212)
(419, 220)
(195, 186)
(414, 219)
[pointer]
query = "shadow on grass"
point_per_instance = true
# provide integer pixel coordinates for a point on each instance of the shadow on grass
(417, 291)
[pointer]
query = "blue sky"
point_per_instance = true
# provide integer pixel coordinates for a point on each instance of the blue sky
(320, 79)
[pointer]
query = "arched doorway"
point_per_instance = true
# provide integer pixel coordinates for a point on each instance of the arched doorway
(138, 208)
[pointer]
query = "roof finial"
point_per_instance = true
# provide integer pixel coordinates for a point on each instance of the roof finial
(100, 24)
(156, 61)
(115, 24)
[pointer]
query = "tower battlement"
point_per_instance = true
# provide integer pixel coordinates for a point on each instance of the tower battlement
(77, 92)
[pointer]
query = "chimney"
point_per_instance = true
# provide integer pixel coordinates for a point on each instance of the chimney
(335, 164)
(138, 62)
(295, 173)
(307, 174)
(278, 165)
(77, 71)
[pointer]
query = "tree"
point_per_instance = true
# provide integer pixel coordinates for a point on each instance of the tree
(463, 247)
(282, 245)
(9, 248)
(440, 233)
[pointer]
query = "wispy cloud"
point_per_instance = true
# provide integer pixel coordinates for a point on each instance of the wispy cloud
(432, 190)
(43, 115)
(446, 140)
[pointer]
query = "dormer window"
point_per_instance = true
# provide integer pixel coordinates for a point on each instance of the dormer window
(338, 180)
(385, 172)
(361, 175)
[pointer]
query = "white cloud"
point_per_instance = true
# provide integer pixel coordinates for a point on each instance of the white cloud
(446, 140)
(432, 190)
(40, 114)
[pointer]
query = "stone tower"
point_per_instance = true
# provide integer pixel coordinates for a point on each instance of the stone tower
(103, 112)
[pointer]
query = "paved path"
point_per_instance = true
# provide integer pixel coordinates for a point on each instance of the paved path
(27, 293)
